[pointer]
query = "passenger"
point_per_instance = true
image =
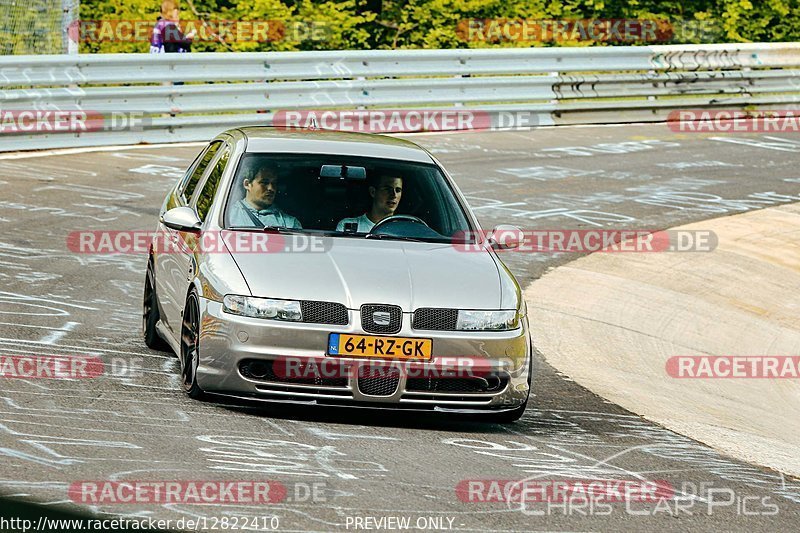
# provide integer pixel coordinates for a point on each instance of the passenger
(385, 195)
(258, 207)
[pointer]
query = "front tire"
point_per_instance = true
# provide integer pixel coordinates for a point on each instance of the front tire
(190, 344)
(150, 314)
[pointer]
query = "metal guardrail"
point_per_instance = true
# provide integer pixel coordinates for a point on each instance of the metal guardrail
(555, 85)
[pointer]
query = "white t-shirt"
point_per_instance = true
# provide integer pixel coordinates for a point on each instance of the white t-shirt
(364, 223)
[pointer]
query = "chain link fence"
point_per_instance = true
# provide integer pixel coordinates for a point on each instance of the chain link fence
(37, 26)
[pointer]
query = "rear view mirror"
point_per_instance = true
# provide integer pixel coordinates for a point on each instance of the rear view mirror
(356, 173)
(343, 172)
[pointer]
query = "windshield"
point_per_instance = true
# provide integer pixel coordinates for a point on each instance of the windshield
(344, 196)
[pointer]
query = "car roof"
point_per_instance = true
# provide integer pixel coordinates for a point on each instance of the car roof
(266, 139)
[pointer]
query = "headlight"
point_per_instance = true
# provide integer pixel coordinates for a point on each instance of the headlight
(487, 320)
(262, 307)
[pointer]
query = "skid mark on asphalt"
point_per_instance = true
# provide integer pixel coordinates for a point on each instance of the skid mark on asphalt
(48, 443)
(768, 142)
(92, 192)
(272, 457)
(689, 455)
(57, 334)
(516, 211)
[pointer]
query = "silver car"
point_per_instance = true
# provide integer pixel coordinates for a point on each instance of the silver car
(328, 268)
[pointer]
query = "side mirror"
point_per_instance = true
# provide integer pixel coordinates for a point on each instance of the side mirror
(182, 219)
(505, 237)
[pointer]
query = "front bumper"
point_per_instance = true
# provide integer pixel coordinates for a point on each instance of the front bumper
(229, 342)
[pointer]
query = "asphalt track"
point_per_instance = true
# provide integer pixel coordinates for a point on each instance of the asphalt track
(124, 426)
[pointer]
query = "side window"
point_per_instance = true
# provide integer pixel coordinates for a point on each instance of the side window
(210, 187)
(188, 190)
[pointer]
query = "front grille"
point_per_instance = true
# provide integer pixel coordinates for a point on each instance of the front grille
(324, 313)
(296, 374)
(379, 382)
(368, 319)
(438, 319)
(456, 385)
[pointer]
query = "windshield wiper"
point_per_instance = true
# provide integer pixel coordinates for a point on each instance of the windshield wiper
(279, 229)
(391, 237)
(346, 234)
(267, 229)
(243, 228)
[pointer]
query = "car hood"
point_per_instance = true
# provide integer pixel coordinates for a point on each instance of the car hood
(356, 271)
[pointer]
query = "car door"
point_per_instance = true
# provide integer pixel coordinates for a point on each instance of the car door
(167, 265)
(186, 256)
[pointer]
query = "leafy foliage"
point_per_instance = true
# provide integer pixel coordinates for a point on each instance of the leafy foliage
(393, 24)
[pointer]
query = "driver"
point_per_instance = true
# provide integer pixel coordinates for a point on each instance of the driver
(258, 207)
(385, 195)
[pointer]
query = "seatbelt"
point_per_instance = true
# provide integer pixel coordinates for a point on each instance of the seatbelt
(252, 216)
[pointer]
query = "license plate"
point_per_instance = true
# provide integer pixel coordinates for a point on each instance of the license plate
(373, 346)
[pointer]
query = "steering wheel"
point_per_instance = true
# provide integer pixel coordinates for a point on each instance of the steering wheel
(393, 218)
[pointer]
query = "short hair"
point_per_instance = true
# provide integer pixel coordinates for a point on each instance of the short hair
(376, 179)
(259, 173)
(168, 5)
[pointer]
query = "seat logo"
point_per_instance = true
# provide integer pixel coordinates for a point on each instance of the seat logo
(381, 318)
